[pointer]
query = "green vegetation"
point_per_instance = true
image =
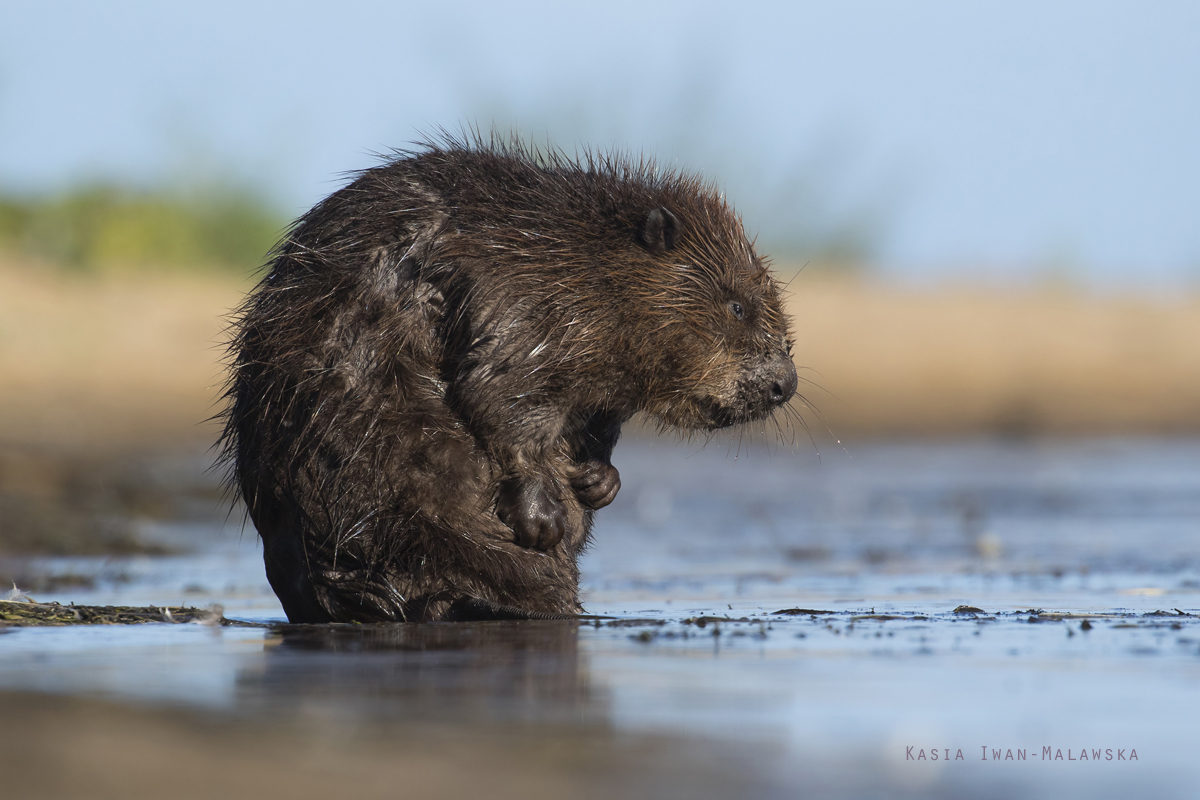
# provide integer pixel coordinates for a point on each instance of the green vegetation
(105, 227)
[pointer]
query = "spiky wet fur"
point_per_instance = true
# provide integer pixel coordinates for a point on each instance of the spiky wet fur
(464, 315)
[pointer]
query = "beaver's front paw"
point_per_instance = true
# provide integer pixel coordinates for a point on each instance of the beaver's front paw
(596, 484)
(535, 515)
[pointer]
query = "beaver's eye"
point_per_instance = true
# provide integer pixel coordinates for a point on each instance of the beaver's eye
(736, 308)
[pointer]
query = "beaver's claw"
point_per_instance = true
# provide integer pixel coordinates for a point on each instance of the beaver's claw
(596, 484)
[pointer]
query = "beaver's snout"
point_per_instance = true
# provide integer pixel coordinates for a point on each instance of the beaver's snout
(781, 383)
(771, 384)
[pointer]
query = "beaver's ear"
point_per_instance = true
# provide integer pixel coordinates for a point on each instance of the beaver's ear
(660, 231)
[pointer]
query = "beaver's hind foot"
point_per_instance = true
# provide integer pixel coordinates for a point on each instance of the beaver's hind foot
(536, 516)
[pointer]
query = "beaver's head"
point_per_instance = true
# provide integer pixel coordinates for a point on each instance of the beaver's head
(720, 352)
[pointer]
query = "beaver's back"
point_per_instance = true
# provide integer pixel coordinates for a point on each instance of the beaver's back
(373, 500)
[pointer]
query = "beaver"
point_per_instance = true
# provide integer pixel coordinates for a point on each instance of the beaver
(427, 385)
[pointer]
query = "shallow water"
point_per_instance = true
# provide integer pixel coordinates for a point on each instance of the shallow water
(883, 542)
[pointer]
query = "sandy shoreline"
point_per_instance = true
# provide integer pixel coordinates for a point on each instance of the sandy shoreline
(129, 362)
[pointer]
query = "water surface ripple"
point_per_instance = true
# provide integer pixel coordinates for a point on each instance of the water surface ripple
(1028, 606)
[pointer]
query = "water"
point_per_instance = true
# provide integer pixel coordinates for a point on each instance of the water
(883, 541)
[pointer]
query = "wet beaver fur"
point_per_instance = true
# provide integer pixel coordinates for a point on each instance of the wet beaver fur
(428, 384)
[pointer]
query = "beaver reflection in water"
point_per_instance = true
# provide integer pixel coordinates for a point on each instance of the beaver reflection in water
(428, 384)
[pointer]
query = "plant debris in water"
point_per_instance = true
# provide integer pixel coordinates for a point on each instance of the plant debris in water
(27, 613)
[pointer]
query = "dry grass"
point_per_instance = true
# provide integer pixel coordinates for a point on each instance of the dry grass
(133, 361)
(119, 361)
(970, 359)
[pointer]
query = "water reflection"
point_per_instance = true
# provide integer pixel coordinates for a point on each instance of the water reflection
(503, 671)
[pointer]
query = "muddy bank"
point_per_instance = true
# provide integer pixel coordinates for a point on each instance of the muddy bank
(27, 612)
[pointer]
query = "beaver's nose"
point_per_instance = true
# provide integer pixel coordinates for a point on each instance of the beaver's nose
(783, 383)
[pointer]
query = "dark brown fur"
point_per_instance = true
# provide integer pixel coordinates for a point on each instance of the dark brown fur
(428, 384)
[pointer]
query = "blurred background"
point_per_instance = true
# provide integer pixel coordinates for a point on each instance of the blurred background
(986, 217)
(987, 213)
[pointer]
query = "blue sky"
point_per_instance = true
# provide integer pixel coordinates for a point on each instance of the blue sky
(1007, 140)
